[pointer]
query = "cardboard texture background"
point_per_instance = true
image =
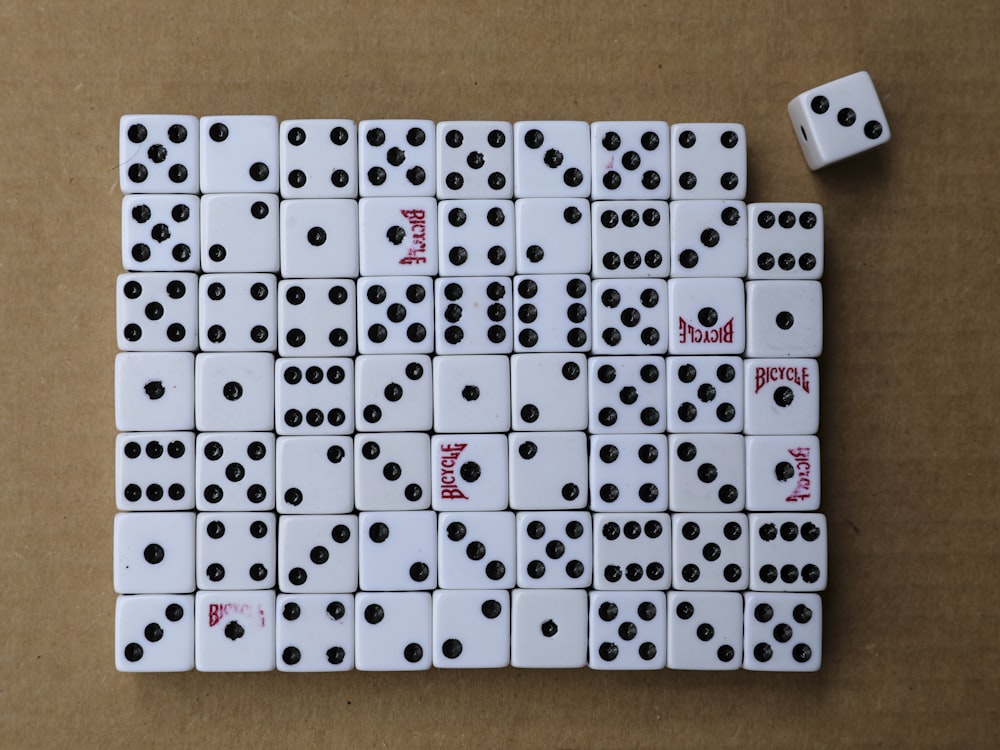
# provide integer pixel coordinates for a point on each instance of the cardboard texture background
(910, 400)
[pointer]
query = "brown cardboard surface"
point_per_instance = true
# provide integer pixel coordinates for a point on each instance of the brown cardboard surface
(910, 400)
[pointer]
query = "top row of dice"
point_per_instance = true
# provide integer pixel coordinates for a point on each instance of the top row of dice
(472, 159)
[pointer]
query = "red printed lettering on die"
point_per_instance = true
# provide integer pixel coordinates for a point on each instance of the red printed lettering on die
(448, 460)
(802, 466)
(692, 334)
(417, 253)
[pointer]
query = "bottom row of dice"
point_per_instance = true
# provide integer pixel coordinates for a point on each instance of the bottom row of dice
(242, 631)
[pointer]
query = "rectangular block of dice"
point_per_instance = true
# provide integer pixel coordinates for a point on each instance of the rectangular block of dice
(788, 551)
(471, 629)
(553, 235)
(396, 157)
(154, 633)
(708, 238)
(154, 391)
(161, 233)
(784, 318)
(708, 160)
(630, 160)
(154, 553)
(838, 119)
(239, 154)
(398, 236)
(319, 238)
(551, 159)
(630, 239)
(783, 472)
(628, 473)
(707, 316)
(158, 154)
(785, 241)
(392, 471)
(234, 631)
(548, 470)
(154, 471)
(782, 632)
(704, 630)
(475, 159)
(627, 630)
(781, 397)
(319, 159)
(314, 632)
(469, 472)
(476, 238)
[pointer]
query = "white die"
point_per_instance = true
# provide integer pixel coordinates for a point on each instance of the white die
(393, 392)
(630, 239)
(314, 632)
(838, 119)
(154, 470)
(158, 154)
(475, 159)
(476, 550)
(319, 238)
(392, 471)
(473, 315)
(784, 318)
(471, 629)
(553, 313)
(157, 311)
(551, 159)
(395, 315)
(318, 554)
(548, 392)
(627, 630)
(161, 232)
(472, 393)
(315, 474)
(239, 154)
(707, 316)
(788, 551)
(393, 631)
(630, 160)
(783, 472)
(476, 238)
(785, 241)
(548, 628)
(707, 473)
(154, 633)
(317, 318)
(704, 630)
(398, 550)
(627, 395)
(553, 235)
(235, 471)
(314, 396)
(238, 312)
(711, 551)
(154, 391)
(708, 160)
(631, 551)
(781, 397)
(469, 472)
(554, 549)
(234, 631)
(704, 394)
(782, 632)
(154, 553)
(628, 473)
(319, 159)
(236, 551)
(234, 391)
(708, 238)
(630, 316)
(398, 236)
(239, 233)
(548, 470)
(396, 157)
